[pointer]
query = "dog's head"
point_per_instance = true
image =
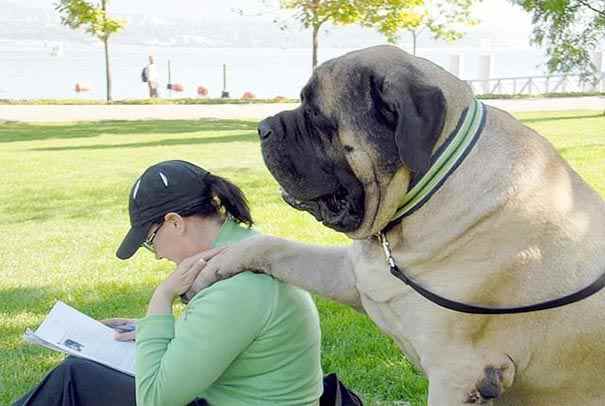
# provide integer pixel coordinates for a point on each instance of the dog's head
(367, 121)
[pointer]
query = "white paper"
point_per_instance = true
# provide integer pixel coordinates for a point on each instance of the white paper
(67, 330)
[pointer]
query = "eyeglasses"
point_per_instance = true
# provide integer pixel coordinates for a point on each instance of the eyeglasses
(148, 243)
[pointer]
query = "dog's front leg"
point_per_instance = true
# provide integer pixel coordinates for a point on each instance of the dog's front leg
(326, 271)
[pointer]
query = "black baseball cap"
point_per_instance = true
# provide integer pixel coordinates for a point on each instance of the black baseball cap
(169, 186)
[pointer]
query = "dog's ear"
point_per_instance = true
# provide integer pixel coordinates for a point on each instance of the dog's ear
(418, 113)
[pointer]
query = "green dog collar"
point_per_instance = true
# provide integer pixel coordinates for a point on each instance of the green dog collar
(445, 161)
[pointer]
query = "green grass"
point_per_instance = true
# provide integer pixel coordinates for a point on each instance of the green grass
(63, 210)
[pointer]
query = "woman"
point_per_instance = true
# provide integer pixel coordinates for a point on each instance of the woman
(249, 340)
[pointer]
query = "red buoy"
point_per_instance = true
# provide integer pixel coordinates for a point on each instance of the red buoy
(176, 87)
(248, 96)
(202, 91)
(82, 87)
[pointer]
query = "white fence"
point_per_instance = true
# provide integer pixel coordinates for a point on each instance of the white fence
(536, 85)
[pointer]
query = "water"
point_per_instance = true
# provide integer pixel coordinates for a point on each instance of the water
(28, 69)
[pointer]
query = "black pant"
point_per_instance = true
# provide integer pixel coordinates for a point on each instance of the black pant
(77, 381)
(80, 382)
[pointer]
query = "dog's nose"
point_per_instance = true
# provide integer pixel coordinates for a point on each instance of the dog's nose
(264, 130)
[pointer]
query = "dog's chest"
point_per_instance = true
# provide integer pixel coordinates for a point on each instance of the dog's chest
(372, 274)
(389, 303)
(390, 320)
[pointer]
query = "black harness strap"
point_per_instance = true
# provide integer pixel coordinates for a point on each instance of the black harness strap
(466, 308)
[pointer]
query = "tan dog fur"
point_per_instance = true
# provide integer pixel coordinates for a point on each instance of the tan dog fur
(514, 225)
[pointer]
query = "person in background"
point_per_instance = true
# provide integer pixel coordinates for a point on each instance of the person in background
(248, 340)
(150, 75)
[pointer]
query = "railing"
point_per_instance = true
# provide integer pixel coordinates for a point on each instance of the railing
(536, 85)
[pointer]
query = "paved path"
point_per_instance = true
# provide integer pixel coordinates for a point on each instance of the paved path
(60, 113)
(550, 104)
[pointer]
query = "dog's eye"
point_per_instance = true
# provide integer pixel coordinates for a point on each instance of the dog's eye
(311, 112)
(315, 112)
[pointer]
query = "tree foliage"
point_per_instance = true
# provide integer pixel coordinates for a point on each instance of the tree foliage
(570, 30)
(444, 18)
(93, 18)
(314, 13)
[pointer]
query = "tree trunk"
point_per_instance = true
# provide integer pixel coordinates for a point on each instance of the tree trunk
(106, 45)
(414, 38)
(315, 45)
(107, 71)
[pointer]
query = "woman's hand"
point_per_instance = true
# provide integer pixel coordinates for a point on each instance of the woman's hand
(179, 282)
(125, 329)
(247, 255)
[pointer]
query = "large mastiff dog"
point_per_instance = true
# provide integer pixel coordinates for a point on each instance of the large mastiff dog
(512, 225)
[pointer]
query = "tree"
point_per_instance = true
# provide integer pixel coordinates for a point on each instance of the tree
(314, 13)
(442, 17)
(445, 19)
(570, 30)
(95, 20)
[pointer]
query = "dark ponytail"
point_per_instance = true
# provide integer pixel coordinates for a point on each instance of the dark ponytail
(218, 197)
(229, 197)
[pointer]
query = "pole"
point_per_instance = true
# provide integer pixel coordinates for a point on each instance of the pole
(456, 64)
(597, 60)
(485, 70)
(225, 94)
(169, 80)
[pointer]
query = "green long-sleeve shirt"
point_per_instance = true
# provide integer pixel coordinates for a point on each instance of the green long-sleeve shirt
(248, 340)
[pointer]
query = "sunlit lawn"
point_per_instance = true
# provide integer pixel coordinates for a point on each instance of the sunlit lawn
(63, 199)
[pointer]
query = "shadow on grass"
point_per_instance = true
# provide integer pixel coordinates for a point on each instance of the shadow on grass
(17, 300)
(560, 118)
(13, 132)
(34, 205)
(202, 139)
(85, 204)
(99, 301)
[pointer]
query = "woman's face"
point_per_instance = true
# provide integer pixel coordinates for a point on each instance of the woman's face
(179, 237)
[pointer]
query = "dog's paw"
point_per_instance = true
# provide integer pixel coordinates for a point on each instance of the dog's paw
(474, 397)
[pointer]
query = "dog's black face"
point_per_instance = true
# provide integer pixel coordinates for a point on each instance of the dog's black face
(349, 111)
(302, 151)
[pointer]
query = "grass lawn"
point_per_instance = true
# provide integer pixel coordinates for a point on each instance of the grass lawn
(63, 209)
